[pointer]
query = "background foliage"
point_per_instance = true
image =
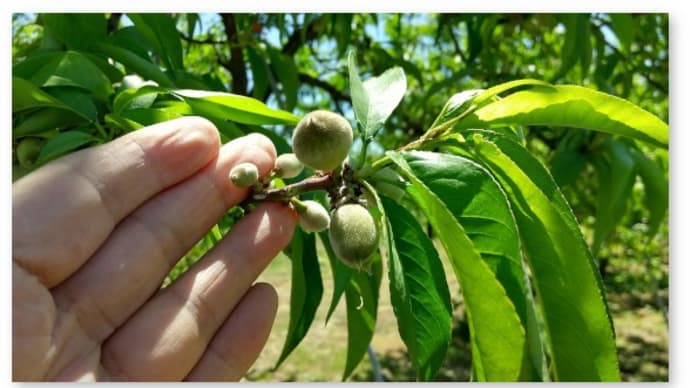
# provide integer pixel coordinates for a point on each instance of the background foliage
(67, 95)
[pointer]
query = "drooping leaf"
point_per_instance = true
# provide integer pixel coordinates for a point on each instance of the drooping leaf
(616, 175)
(568, 286)
(131, 39)
(71, 68)
(419, 291)
(142, 97)
(46, 119)
(362, 299)
(26, 95)
(285, 69)
(64, 143)
(497, 343)
(655, 187)
(234, 107)
(115, 121)
(135, 63)
(160, 31)
(259, 69)
(623, 26)
(77, 31)
(113, 73)
(32, 64)
(192, 21)
(567, 164)
(409, 67)
(571, 106)
(577, 47)
(341, 274)
(376, 98)
(77, 98)
(480, 206)
(474, 38)
(342, 29)
(306, 290)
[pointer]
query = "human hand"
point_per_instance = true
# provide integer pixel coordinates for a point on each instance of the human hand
(96, 232)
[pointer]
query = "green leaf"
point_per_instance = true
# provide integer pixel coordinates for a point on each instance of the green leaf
(581, 338)
(497, 337)
(73, 69)
(577, 46)
(192, 20)
(149, 116)
(362, 297)
(113, 73)
(77, 98)
(457, 105)
(341, 274)
(160, 31)
(375, 99)
(418, 289)
(477, 202)
(409, 67)
(26, 95)
(142, 97)
(467, 101)
(234, 107)
(135, 63)
(64, 143)
(623, 26)
(260, 74)
(77, 31)
(285, 69)
(655, 187)
(490, 93)
(342, 30)
(571, 106)
(131, 39)
(568, 160)
(46, 119)
(616, 173)
(306, 290)
(32, 64)
(115, 121)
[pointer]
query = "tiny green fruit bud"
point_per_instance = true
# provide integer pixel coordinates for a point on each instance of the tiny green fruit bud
(288, 166)
(28, 150)
(313, 217)
(322, 140)
(353, 234)
(244, 174)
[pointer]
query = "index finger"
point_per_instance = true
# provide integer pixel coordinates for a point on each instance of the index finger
(62, 212)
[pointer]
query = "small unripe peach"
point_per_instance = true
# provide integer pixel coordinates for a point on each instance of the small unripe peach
(313, 217)
(353, 234)
(28, 150)
(322, 140)
(288, 166)
(244, 174)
